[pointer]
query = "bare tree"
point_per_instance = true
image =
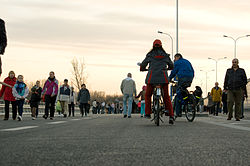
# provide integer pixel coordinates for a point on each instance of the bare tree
(79, 73)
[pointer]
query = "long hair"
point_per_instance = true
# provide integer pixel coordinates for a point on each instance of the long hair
(156, 49)
(11, 72)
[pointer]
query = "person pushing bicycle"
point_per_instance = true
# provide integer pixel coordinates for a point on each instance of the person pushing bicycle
(158, 61)
(184, 71)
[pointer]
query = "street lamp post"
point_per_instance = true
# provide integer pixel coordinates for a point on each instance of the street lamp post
(177, 27)
(235, 41)
(206, 77)
(216, 62)
(171, 41)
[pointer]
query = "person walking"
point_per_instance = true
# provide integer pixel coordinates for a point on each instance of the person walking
(84, 99)
(6, 91)
(50, 90)
(20, 92)
(103, 107)
(36, 92)
(63, 96)
(216, 94)
(128, 88)
(142, 95)
(224, 101)
(235, 82)
(3, 41)
(94, 107)
(72, 102)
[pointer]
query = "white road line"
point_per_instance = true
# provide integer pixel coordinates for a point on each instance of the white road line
(228, 125)
(75, 119)
(58, 122)
(19, 128)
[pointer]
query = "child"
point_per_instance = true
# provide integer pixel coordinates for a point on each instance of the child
(35, 99)
(20, 92)
(142, 95)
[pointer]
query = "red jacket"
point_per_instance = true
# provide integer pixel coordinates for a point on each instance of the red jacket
(7, 91)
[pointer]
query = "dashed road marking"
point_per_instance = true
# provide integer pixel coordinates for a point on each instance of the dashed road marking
(19, 128)
(75, 119)
(58, 122)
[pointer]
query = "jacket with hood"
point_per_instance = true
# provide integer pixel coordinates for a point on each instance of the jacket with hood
(50, 87)
(159, 61)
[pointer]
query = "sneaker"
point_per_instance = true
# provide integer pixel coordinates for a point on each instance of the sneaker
(141, 116)
(237, 119)
(129, 116)
(242, 117)
(148, 116)
(5, 119)
(65, 116)
(45, 117)
(124, 116)
(229, 118)
(19, 118)
(33, 118)
(51, 118)
(171, 120)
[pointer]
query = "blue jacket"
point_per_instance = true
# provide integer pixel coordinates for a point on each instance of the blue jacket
(182, 68)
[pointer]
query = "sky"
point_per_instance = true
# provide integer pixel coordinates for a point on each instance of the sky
(111, 36)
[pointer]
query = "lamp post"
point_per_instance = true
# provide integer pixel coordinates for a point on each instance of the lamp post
(177, 27)
(206, 77)
(216, 61)
(235, 41)
(171, 41)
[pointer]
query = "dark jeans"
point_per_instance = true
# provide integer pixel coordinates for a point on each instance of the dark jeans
(20, 106)
(234, 97)
(72, 107)
(84, 108)
(217, 108)
(225, 107)
(183, 83)
(50, 105)
(7, 108)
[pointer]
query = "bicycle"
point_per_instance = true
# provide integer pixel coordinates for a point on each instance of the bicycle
(158, 108)
(188, 103)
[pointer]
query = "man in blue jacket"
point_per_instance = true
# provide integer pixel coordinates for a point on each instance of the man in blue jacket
(184, 72)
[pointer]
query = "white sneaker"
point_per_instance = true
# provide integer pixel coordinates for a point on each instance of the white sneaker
(19, 118)
(33, 118)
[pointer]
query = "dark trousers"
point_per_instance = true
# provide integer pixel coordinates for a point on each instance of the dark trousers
(20, 106)
(225, 107)
(72, 107)
(217, 107)
(84, 108)
(7, 108)
(50, 105)
(234, 97)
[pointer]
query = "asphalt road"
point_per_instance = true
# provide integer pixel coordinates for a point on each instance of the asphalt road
(108, 140)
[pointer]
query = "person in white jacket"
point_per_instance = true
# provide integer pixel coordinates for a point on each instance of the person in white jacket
(64, 97)
(20, 92)
(72, 102)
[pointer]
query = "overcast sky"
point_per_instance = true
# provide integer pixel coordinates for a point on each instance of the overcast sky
(113, 35)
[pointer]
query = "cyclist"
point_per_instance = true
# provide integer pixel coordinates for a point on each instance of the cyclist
(158, 61)
(184, 72)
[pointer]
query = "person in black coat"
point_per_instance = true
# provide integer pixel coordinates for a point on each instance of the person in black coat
(3, 41)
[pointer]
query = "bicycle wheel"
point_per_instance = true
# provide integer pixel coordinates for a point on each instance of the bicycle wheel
(190, 110)
(157, 112)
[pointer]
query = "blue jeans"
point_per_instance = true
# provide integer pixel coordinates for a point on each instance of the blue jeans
(127, 98)
(20, 106)
(183, 83)
(142, 108)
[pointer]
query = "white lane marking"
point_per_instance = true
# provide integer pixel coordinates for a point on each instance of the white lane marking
(58, 122)
(19, 128)
(228, 125)
(87, 118)
(75, 119)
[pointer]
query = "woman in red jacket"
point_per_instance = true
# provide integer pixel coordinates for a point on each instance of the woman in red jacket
(8, 97)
